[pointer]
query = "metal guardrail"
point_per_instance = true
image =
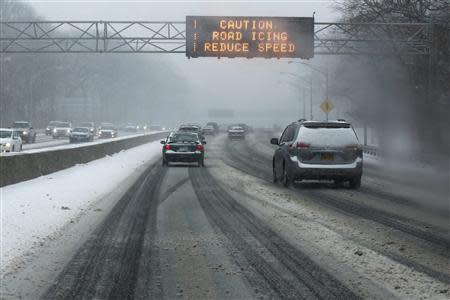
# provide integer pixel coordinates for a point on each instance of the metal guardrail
(371, 150)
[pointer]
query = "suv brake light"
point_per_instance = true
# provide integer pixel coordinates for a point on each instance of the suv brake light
(302, 145)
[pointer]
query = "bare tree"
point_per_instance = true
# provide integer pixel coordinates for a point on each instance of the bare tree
(413, 89)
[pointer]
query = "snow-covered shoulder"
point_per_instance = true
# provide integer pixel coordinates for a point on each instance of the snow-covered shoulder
(35, 209)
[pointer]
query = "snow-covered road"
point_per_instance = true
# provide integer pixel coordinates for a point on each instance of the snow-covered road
(127, 227)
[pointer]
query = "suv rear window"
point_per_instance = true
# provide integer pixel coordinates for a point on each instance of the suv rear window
(319, 136)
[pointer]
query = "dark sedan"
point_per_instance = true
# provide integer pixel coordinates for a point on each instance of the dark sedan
(183, 147)
(26, 131)
(107, 131)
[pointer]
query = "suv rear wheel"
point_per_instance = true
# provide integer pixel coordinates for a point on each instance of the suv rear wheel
(274, 174)
(355, 182)
(286, 179)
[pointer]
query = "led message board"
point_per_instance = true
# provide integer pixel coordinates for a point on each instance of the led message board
(249, 37)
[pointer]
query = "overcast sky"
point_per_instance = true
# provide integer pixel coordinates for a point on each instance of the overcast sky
(225, 83)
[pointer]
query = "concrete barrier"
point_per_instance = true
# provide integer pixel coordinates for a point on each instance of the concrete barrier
(17, 168)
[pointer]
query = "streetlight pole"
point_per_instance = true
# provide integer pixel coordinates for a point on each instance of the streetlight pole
(323, 72)
(311, 97)
(304, 103)
(327, 85)
(304, 97)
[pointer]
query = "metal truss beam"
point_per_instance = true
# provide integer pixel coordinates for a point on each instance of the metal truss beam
(92, 37)
(170, 37)
(372, 38)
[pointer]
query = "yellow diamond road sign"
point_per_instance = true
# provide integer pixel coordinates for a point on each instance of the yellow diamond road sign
(327, 106)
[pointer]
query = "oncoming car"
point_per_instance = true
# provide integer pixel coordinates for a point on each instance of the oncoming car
(131, 127)
(81, 134)
(26, 131)
(183, 147)
(49, 129)
(89, 125)
(107, 131)
(10, 140)
(318, 150)
(62, 129)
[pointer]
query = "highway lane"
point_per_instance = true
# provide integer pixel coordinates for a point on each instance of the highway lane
(178, 234)
(427, 239)
(225, 231)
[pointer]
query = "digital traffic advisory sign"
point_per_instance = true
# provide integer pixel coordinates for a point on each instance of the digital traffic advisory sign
(249, 37)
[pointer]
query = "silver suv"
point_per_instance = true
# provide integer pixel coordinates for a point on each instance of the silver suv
(318, 150)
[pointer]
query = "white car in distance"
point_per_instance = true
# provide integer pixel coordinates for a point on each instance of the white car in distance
(10, 140)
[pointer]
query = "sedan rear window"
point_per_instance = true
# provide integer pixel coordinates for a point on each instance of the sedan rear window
(183, 138)
(328, 136)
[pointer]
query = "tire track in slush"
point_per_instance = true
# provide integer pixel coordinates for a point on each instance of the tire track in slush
(430, 234)
(240, 156)
(107, 265)
(306, 280)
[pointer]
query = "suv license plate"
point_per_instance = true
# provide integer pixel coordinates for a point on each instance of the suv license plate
(327, 156)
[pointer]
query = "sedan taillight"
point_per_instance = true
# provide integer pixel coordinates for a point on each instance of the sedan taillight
(199, 147)
(167, 147)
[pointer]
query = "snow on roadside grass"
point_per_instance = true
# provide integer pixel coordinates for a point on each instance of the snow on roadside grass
(35, 209)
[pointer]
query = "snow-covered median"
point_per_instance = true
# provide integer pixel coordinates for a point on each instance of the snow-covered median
(53, 145)
(35, 209)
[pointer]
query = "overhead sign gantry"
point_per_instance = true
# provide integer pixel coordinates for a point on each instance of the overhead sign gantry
(289, 37)
(249, 37)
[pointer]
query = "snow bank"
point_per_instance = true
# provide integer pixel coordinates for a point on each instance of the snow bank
(35, 209)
